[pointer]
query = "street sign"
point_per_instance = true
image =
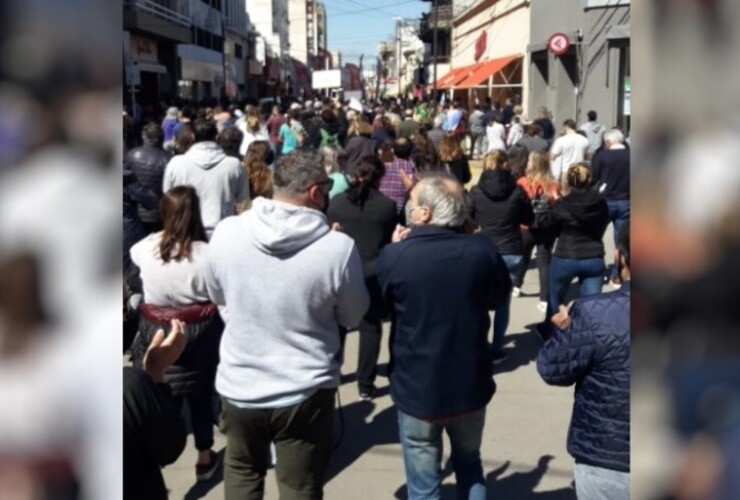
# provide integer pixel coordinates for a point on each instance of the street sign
(558, 44)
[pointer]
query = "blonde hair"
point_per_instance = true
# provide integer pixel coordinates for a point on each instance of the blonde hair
(538, 169)
(330, 155)
(253, 123)
(578, 176)
(450, 149)
(496, 160)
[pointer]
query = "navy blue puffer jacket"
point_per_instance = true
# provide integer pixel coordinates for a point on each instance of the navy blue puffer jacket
(594, 354)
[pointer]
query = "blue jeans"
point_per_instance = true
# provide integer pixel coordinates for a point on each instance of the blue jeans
(590, 273)
(422, 455)
(596, 483)
(501, 315)
(619, 214)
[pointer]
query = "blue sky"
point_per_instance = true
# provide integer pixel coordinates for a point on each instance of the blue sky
(354, 33)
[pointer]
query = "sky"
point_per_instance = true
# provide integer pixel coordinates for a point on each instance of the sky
(354, 33)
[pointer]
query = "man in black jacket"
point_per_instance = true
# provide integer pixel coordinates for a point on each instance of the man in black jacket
(147, 164)
(154, 433)
(591, 349)
(442, 283)
(611, 175)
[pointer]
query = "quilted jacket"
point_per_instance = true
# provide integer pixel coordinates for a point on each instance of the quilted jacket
(594, 354)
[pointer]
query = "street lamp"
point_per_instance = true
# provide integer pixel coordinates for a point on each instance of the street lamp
(434, 49)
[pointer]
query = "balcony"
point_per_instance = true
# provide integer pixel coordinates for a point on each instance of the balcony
(156, 18)
(444, 22)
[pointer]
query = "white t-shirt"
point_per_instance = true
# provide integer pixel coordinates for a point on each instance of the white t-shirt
(571, 148)
(173, 283)
(496, 135)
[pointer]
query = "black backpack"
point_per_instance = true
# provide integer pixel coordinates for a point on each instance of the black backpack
(541, 208)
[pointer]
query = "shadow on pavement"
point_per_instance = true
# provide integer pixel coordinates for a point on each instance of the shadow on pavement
(519, 485)
(359, 436)
(522, 349)
(201, 489)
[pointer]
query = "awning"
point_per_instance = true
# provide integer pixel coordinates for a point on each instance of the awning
(152, 68)
(618, 32)
(454, 76)
(484, 70)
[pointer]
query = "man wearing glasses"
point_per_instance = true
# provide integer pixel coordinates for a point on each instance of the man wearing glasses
(287, 282)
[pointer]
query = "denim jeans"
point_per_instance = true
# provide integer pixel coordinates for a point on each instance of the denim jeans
(596, 483)
(501, 315)
(619, 214)
(590, 273)
(422, 455)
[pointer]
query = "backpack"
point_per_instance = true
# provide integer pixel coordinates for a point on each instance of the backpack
(328, 139)
(541, 208)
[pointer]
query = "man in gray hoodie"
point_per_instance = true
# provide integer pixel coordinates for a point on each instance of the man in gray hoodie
(288, 282)
(218, 179)
(594, 132)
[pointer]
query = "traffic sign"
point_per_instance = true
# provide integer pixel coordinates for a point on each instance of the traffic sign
(558, 44)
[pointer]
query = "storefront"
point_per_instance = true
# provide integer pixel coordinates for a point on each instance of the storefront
(489, 41)
(593, 73)
(201, 72)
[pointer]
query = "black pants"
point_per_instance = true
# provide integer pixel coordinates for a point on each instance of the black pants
(371, 332)
(303, 441)
(544, 244)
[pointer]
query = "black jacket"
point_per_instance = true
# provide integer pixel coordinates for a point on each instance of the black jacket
(371, 226)
(594, 354)
(195, 370)
(134, 195)
(442, 283)
(578, 222)
(148, 164)
(612, 167)
(499, 206)
(154, 435)
(460, 168)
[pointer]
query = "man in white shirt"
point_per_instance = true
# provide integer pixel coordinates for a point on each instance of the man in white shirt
(569, 148)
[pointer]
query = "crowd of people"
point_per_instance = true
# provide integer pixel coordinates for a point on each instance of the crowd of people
(267, 234)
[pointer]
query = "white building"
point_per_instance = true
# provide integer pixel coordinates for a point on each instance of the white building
(270, 19)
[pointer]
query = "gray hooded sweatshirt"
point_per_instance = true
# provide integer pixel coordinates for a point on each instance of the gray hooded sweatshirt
(218, 179)
(287, 281)
(595, 134)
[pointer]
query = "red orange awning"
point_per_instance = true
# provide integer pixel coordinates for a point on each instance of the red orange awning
(484, 70)
(454, 76)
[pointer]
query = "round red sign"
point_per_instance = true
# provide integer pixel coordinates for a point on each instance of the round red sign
(558, 44)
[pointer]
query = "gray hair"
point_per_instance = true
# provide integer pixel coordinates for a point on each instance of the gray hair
(445, 198)
(614, 136)
(296, 171)
(151, 135)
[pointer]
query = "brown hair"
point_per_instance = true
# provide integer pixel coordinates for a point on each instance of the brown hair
(579, 176)
(180, 209)
(256, 164)
(450, 149)
(185, 138)
(495, 160)
(363, 128)
(253, 123)
(386, 152)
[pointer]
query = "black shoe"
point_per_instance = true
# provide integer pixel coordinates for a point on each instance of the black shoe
(543, 331)
(499, 356)
(204, 472)
(367, 393)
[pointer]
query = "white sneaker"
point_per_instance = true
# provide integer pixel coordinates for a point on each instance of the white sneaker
(516, 292)
(542, 306)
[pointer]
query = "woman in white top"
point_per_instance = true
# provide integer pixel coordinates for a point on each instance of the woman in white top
(253, 130)
(496, 134)
(171, 263)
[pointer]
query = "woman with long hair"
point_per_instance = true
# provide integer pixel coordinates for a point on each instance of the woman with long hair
(538, 182)
(452, 156)
(171, 263)
(499, 207)
(425, 156)
(518, 160)
(256, 165)
(368, 217)
(578, 221)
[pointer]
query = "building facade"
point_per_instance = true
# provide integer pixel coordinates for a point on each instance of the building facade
(272, 44)
(436, 58)
(594, 74)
